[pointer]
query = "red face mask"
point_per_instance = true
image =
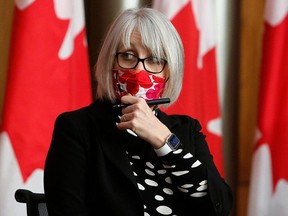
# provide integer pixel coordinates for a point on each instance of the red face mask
(139, 83)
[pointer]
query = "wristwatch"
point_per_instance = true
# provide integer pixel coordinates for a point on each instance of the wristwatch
(173, 142)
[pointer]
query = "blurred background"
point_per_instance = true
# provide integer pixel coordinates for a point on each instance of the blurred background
(239, 28)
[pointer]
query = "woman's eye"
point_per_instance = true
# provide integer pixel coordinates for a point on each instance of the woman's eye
(128, 56)
(153, 60)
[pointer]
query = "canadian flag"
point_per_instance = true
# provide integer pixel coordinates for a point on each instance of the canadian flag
(48, 74)
(195, 22)
(269, 178)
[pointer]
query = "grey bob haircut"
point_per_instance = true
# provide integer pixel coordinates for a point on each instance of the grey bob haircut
(158, 35)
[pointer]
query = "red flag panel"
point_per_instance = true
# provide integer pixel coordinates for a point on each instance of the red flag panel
(41, 85)
(269, 177)
(199, 95)
(273, 98)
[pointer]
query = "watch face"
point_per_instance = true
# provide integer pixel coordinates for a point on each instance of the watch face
(173, 141)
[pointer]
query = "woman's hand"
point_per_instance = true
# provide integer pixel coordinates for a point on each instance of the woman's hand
(140, 118)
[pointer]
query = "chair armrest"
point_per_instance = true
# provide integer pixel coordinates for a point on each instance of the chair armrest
(23, 196)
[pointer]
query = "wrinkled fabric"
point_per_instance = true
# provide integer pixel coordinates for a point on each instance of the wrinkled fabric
(137, 82)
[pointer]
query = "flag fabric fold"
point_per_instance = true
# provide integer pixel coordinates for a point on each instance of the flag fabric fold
(195, 23)
(268, 193)
(48, 74)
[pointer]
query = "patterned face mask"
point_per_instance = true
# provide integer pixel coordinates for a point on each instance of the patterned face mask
(139, 83)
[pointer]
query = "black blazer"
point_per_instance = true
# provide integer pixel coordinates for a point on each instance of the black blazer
(87, 171)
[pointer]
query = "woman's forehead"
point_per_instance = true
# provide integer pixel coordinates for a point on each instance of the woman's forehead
(134, 41)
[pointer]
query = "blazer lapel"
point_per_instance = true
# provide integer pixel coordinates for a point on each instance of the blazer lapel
(114, 145)
(115, 150)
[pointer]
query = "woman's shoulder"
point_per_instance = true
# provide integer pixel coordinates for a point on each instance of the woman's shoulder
(96, 109)
(93, 108)
(72, 113)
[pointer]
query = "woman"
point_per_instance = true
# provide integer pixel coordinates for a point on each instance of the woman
(134, 160)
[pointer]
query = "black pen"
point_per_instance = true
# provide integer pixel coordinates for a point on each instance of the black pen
(149, 102)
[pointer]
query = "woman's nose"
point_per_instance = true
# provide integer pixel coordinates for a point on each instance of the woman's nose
(140, 66)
